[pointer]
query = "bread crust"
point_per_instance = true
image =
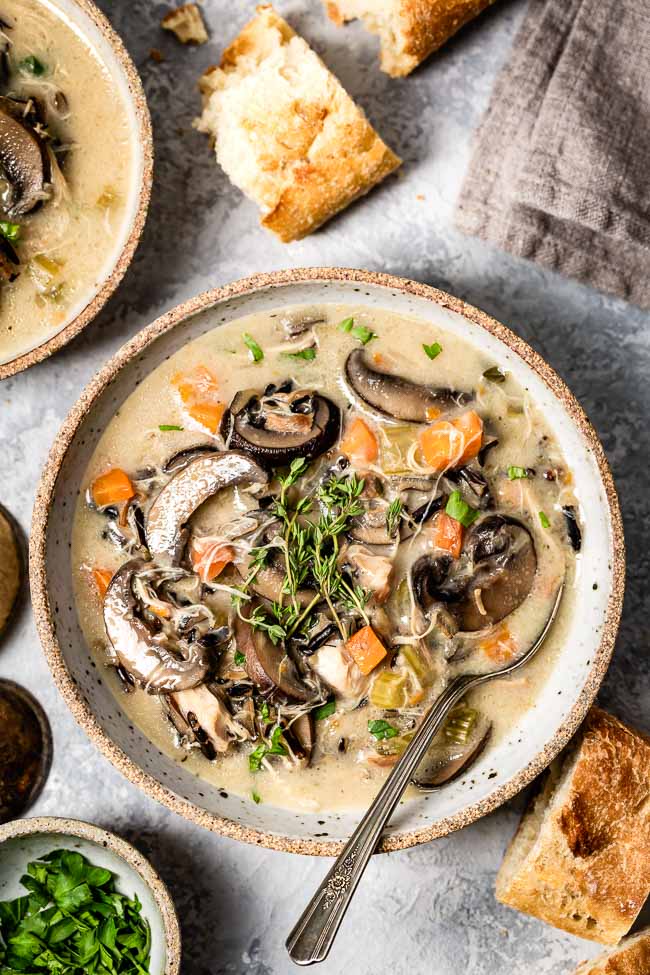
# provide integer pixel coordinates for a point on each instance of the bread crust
(310, 150)
(586, 869)
(412, 29)
(632, 957)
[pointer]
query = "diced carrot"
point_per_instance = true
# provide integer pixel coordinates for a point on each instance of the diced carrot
(199, 393)
(360, 443)
(162, 611)
(112, 487)
(432, 413)
(366, 649)
(210, 557)
(102, 578)
(449, 443)
(448, 534)
(499, 647)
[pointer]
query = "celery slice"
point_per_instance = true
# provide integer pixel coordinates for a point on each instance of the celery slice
(388, 691)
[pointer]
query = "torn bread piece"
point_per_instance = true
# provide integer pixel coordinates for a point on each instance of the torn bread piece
(580, 859)
(631, 957)
(286, 132)
(187, 23)
(409, 30)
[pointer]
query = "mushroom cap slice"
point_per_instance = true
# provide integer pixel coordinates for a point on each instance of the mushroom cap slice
(268, 582)
(201, 715)
(11, 567)
(23, 160)
(394, 396)
(145, 655)
(187, 490)
(271, 448)
(267, 663)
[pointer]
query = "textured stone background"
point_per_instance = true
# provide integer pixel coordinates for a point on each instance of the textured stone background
(431, 909)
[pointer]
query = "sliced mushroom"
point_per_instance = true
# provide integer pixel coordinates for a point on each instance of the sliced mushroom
(267, 663)
(23, 159)
(183, 457)
(269, 580)
(186, 491)
(394, 396)
(275, 428)
(147, 656)
(201, 715)
(301, 737)
(372, 526)
(499, 577)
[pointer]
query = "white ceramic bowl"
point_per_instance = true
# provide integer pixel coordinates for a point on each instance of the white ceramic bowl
(93, 26)
(502, 770)
(28, 839)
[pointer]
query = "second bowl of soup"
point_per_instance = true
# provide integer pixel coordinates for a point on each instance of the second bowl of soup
(286, 516)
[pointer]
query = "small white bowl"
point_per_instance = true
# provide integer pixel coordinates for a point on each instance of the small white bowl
(23, 840)
(93, 26)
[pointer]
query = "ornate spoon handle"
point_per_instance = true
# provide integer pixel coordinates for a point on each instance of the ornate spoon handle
(313, 935)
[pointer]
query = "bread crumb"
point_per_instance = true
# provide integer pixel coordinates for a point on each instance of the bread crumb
(186, 23)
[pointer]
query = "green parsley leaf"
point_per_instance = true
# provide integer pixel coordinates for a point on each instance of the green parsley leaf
(240, 658)
(169, 426)
(517, 473)
(306, 354)
(459, 510)
(256, 797)
(253, 347)
(381, 730)
(31, 65)
(433, 350)
(544, 520)
(494, 375)
(10, 231)
(325, 710)
(277, 743)
(256, 757)
(363, 334)
(346, 325)
(264, 710)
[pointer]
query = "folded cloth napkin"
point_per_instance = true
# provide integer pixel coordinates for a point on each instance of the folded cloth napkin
(561, 168)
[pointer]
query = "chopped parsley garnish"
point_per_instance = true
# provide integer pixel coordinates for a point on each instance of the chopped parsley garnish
(10, 231)
(381, 730)
(169, 426)
(254, 349)
(276, 747)
(432, 350)
(306, 354)
(33, 66)
(494, 375)
(256, 797)
(393, 515)
(459, 510)
(240, 659)
(363, 334)
(346, 325)
(325, 710)
(73, 919)
(517, 473)
(256, 758)
(543, 517)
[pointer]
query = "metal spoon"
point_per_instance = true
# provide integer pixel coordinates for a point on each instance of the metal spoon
(314, 934)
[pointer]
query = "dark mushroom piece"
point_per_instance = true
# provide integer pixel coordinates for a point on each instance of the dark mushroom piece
(301, 737)
(473, 486)
(275, 429)
(147, 656)
(23, 159)
(572, 527)
(395, 397)
(200, 714)
(269, 580)
(187, 490)
(267, 663)
(183, 457)
(504, 564)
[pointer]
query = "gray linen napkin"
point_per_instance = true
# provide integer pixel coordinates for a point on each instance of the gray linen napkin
(561, 167)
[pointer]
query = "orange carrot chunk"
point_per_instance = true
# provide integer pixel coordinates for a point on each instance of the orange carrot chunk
(102, 578)
(450, 443)
(112, 487)
(448, 534)
(499, 646)
(210, 558)
(199, 393)
(360, 443)
(366, 649)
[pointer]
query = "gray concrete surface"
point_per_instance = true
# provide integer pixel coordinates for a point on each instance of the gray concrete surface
(430, 910)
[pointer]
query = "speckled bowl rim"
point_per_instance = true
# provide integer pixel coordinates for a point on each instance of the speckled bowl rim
(145, 138)
(43, 613)
(57, 826)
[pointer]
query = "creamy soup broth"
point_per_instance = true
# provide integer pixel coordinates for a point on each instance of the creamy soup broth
(62, 93)
(527, 478)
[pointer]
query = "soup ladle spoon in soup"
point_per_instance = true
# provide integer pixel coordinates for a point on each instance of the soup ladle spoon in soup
(313, 936)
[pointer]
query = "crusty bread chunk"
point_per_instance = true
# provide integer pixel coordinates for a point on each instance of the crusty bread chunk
(409, 30)
(187, 23)
(631, 957)
(580, 859)
(285, 131)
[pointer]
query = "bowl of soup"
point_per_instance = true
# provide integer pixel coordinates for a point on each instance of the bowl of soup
(284, 516)
(75, 172)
